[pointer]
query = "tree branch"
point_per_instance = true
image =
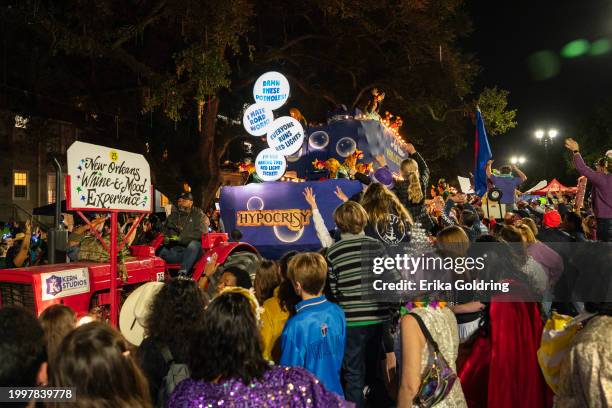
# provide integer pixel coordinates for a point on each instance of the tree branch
(151, 18)
(307, 91)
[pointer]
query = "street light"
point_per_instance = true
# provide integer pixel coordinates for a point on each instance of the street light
(518, 160)
(546, 138)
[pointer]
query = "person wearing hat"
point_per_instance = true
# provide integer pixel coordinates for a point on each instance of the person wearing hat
(183, 229)
(601, 192)
(551, 231)
(18, 254)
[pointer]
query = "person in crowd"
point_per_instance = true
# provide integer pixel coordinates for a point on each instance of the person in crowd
(23, 353)
(585, 379)
(572, 224)
(549, 259)
(589, 226)
(601, 192)
(96, 361)
(184, 228)
(146, 231)
(411, 190)
(507, 181)
(468, 218)
(314, 338)
(551, 231)
(388, 219)
(364, 318)
(234, 276)
(419, 328)
(267, 279)
(175, 315)
(230, 370)
(277, 310)
(536, 274)
(502, 369)
(453, 242)
(17, 255)
(57, 321)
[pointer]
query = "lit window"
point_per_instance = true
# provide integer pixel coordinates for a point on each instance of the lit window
(20, 185)
(164, 200)
(50, 188)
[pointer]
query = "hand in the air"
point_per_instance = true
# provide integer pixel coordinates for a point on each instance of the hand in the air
(572, 145)
(340, 194)
(311, 199)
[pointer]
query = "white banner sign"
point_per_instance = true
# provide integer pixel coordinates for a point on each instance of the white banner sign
(271, 89)
(64, 283)
(106, 178)
(257, 118)
(270, 165)
(285, 135)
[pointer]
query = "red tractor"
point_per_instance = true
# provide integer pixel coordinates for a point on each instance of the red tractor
(85, 286)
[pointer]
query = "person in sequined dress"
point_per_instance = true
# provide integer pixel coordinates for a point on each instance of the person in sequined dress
(228, 368)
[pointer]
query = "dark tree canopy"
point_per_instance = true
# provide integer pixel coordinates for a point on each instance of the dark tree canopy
(176, 74)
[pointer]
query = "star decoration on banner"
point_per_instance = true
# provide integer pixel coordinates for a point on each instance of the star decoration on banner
(80, 168)
(82, 198)
(79, 189)
(79, 176)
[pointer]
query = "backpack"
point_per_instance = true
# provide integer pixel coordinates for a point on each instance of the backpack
(176, 373)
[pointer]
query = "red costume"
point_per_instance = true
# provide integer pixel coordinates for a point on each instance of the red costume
(502, 369)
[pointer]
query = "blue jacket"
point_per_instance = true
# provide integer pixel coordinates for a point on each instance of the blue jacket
(314, 339)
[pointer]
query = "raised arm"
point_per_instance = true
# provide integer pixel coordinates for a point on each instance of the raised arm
(317, 218)
(423, 169)
(22, 255)
(584, 170)
(519, 173)
(488, 168)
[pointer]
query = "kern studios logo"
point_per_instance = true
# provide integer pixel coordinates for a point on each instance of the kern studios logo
(54, 285)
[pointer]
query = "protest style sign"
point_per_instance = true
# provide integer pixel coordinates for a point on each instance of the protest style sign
(285, 135)
(103, 178)
(270, 165)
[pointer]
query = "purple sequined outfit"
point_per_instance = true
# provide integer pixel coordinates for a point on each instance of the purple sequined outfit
(279, 387)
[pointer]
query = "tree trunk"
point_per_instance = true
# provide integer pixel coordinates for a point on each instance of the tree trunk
(208, 157)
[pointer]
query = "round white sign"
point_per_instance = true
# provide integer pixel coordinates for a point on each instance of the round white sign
(270, 165)
(271, 89)
(257, 118)
(285, 135)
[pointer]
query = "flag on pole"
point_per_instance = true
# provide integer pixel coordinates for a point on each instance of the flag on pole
(482, 154)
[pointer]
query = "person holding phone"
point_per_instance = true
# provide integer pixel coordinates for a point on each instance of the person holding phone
(17, 255)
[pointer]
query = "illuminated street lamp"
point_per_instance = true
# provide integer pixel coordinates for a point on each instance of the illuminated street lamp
(518, 160)
(545, 138)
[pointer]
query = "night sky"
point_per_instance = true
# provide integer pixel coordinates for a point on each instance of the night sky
(507, 33)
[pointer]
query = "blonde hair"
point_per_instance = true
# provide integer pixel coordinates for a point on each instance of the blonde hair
(531, 224)
(250, 295)
(453, 241)
(350, 217)
(527, 234)
(410, 172)
(310, 270)
(378, 201)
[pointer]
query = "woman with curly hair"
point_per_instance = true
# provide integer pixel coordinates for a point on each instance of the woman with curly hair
(227, 366)
(411, 190)
(175, 316)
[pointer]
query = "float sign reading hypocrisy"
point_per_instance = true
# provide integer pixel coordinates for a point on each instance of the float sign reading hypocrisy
(103, 178)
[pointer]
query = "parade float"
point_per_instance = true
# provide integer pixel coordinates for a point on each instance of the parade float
(272, 214)
(109, 181)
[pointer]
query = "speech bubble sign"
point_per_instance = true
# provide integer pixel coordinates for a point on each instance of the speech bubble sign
(285, 135)
(270, 165)
(257, 118)
(271, 89)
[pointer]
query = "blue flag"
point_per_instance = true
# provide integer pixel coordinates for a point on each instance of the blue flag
(482, 154)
